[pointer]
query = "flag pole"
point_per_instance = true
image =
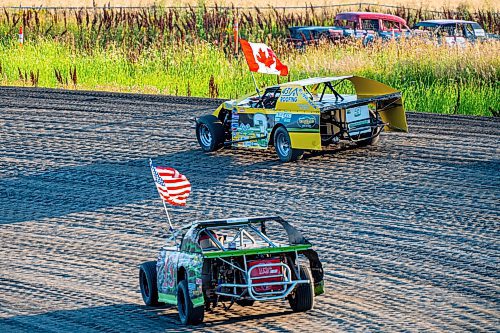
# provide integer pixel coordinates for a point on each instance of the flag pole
(236, 34)
(255, 83)
(171, 228)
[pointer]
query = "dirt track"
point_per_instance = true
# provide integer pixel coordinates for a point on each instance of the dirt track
(408, 230)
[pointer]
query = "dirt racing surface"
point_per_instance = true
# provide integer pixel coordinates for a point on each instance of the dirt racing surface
(408, 231)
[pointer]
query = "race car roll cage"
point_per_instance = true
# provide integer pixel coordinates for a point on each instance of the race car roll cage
(345, 128)
(249, 287)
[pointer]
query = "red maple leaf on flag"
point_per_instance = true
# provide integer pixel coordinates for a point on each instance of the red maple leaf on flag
(260, 58)
(263, 58)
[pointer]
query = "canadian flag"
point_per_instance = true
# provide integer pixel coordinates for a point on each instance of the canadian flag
(261, 59)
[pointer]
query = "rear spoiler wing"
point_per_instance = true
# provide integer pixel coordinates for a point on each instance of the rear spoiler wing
(392, 112)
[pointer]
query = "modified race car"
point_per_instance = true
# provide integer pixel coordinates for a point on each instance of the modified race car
(304, 115)
(229, 261)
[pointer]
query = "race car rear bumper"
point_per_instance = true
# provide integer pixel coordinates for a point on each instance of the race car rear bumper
(264, 291)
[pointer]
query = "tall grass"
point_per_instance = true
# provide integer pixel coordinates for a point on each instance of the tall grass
(190, 53)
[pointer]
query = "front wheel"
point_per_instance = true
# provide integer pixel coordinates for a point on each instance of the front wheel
(283, 146)
(147, 282)
(187, 313)
(209, 133)
(302, 299)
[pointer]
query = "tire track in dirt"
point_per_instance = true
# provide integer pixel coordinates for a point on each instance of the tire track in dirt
(407, 230)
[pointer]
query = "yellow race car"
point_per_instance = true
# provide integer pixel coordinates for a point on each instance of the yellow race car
(304, 115)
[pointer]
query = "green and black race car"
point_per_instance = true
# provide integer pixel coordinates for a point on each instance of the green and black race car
(229, 261)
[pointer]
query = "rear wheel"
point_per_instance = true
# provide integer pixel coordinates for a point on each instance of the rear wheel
(283, 146)
(210, 133)
(373, 140)
(187, 313)
(147, 282)
(302, 299)
(368, 142)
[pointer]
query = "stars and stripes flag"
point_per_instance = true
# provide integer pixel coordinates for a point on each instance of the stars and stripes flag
(173, 187)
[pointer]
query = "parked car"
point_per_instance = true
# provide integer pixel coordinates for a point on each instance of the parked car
(304, 115)
(452, 32)
(233, 261)
(355, 25)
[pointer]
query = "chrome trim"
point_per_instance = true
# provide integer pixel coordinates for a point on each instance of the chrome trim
(288, 283)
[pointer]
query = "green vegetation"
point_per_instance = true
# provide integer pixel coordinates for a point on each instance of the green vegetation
(191, 53)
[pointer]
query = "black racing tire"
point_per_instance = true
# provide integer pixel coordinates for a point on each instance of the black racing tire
(209, 133)
(368, 142)
(188, 314)
(245, 302)
(373, 140)
(283, 146)
(302, 298)
(147, 282)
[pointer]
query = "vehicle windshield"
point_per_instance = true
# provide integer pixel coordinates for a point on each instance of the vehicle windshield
(426, 27)
(345, 24)
(391, 25)
(370, 24)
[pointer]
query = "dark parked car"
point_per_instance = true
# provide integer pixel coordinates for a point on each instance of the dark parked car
(357, 25)
(452, 32)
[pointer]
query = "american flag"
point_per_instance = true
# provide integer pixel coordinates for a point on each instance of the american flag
(173, 187)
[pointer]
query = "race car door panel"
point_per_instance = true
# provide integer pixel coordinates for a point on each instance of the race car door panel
(251, 126)
(296, 111)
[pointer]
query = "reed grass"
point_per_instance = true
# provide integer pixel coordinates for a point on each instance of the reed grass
(190, 52)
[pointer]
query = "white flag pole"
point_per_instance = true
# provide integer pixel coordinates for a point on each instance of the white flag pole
(171, 228)
(168, 217)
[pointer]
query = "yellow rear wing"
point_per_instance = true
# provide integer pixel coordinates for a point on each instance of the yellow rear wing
(393, 113)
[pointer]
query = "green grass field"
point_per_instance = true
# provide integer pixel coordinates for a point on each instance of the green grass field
(132, 58)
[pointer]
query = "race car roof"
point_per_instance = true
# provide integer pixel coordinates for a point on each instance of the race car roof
(353, 16)
(239, 220)
(316, 80)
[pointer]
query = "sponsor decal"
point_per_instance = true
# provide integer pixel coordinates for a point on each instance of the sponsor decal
(262, 271)
(303, 106)
(306, 122)
(283, 117)
(290, 92)
(244, 128)
(284, 99)
(357, 112)
(192, 289)
(169, 282)
(289, 95)
(308, 100)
